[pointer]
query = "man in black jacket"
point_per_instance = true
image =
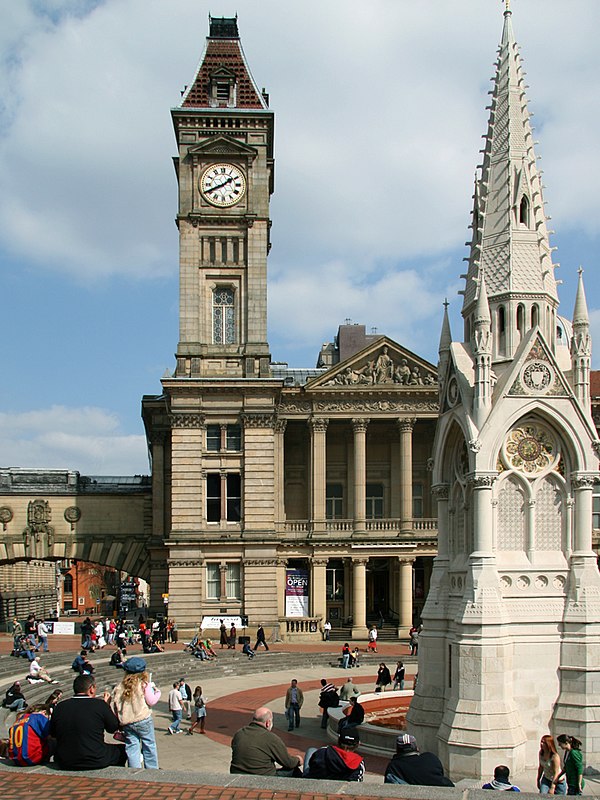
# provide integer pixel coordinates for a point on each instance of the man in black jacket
(410, 766)
(338, 762)
(78, 725)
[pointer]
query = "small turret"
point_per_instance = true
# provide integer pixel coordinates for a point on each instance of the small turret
(444, 349)
(481, 345)
(581, 346)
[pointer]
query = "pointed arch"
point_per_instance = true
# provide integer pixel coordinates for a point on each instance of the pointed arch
(512, 497)
(550, 517)
(524, 211)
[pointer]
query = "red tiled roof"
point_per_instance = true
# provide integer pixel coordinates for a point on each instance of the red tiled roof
(223, 53)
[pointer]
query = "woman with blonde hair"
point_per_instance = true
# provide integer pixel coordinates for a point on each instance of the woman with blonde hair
(549, 780)
(132, 702)
(199, 711)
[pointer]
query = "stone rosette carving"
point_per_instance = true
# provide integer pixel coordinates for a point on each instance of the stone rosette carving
(6, 516)
(530, 448)
(72, 515)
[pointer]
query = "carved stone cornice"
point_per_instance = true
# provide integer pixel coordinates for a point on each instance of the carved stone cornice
(185, 562)
(187, 420)
(390, 406)
(261, 562)
(258, 420)
(293, 406)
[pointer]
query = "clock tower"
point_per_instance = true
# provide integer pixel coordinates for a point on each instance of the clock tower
(225, 172)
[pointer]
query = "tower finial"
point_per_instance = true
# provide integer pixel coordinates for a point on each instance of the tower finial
(507, 6)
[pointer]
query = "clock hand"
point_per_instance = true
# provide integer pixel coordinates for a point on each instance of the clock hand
(224, 183)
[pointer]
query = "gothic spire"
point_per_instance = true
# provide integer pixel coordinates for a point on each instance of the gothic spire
(581, 346)
(510, 238)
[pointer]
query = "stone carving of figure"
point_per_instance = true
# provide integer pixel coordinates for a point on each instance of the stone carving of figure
(415, 378)
(384, 367)
(402, 374)
(430, 379)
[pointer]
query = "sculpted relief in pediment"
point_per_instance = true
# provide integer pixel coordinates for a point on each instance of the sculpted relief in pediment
(383, 370)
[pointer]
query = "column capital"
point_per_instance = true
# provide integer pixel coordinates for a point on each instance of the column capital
(319, 423)
(360, 424)
(406, 424)
(359, 561)
(280, 425)
(406, 559)
(319, 561)
(482, 480)
(584, 480)
(441, 491)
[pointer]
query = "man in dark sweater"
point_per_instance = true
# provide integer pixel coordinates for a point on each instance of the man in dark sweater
(78, 725)
(410, 766)
(256, 749)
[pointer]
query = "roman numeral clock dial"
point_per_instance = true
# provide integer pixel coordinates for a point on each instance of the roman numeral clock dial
(223, 185)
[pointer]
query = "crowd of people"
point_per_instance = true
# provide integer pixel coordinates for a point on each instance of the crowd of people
(72, 731)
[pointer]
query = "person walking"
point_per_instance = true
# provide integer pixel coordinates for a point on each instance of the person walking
(223, 635)
(260, 638)
(346, 656)
(372, 645)
(232, 636)
(326, 630)
(549, 777)
(294, 698)
(572, 768)
(186, 698)
(42, 632)
(175, 708)
(199, 711)
(328, 698)
(132, 701)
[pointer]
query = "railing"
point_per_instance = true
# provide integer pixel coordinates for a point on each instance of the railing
(300, 625)
(301, 528)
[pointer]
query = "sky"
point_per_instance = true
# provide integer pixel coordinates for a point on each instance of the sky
(372, 94)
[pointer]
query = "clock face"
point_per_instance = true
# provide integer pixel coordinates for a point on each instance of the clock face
(223, 185)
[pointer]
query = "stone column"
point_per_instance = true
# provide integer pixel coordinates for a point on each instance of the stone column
(359, 426)
(318, 604)
(406, 473)
(318, 464)
(279, 461)
(359, 598)
(223, 497)
(582, 484)
(280, 581)
(482, 514)
(406, 597)
(223, 584)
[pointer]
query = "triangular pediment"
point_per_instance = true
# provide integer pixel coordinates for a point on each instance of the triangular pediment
(222, 72)
(222, 145)
(458, 383)
(535, 372)
(384, 364)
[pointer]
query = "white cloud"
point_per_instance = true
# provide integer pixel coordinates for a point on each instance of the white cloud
(86, 439)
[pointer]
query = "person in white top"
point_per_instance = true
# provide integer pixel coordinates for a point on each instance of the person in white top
(175, 708)
(42, 632)
(38, 673)
(326, 630)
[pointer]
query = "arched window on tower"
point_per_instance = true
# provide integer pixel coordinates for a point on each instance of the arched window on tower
(521, 320)
(524, 211)
(223, 315)
(535, 315)
(501, 331)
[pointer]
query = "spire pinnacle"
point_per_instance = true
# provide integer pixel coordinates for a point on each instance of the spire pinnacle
(580, 313)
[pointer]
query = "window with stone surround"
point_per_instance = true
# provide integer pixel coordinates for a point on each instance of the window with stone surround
(223, 497)
(221, 438)
(213, 581)
(233, 581)
(224, 315)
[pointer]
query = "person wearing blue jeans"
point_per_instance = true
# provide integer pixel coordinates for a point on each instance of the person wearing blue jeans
(133, 700)
(175, 708)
